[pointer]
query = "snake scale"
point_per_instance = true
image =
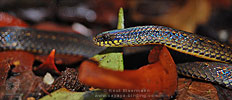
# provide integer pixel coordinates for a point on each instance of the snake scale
(42, 42)
(199, 46)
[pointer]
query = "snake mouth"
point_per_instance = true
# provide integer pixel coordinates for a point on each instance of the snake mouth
(107, 40)
(95, 41)
(108, 43)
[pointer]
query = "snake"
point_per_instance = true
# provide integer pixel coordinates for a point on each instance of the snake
(218, 71)
(42, 42)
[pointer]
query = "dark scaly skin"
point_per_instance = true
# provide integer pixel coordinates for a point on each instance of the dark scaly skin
(181, 41)
(42, 42)
(210, 71)
(178, 40)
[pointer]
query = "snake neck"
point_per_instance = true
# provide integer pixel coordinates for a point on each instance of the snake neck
(181, 41)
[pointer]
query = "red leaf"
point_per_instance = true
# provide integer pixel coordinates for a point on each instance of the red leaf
(154, 54)
(155, 79)
(24, 85)
(49, 64)
(194, 90)
(22, 60)
(9, 20)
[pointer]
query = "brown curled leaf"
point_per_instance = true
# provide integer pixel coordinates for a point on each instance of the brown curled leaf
(22, 60)
(155, 80)
(22, 86)
(194, 90)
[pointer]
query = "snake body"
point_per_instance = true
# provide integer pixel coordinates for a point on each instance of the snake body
(210, 71)
(42, 42)
(180, 41)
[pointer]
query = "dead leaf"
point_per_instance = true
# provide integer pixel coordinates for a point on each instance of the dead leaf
(155, 80)
(69, 80)
(22, 60)
(48, 65)
(22, 86)
(154, 54)
(5, 67)
(9, 20)
(188, 89)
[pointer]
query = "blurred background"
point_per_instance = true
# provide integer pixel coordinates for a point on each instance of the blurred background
(211, 18)
(208, 17)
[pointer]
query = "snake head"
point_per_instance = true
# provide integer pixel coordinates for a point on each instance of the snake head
(109, 39)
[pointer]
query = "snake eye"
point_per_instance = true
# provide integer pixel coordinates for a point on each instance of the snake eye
(106, 38)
